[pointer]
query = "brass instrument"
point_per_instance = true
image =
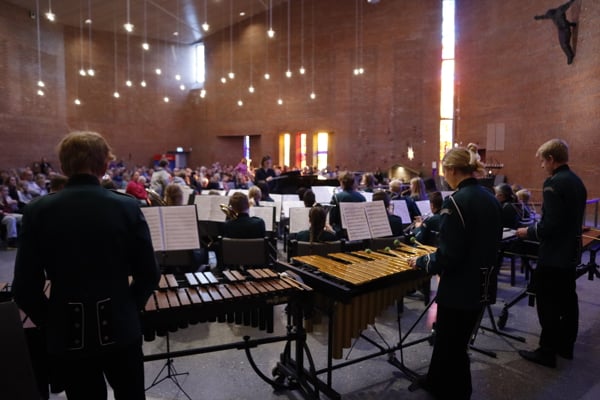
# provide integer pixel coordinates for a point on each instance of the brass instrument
(228, 211)
(154, 198)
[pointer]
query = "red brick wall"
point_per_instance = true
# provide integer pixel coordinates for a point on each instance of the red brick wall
(511, 70)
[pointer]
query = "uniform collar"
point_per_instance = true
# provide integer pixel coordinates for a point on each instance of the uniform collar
(83, 179)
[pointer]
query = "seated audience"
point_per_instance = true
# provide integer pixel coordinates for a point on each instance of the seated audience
(136, 187)
(318, 231)
(243, 226)
(57, 182)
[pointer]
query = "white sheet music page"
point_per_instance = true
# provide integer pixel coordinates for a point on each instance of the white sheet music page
(400, 208)
(323, 194)
(153, 219)
(287, 204)
(379, 224)
(299, 219)
(264, 213)
(354, 220)
(424, 207)
(180, 227)
(209, 208)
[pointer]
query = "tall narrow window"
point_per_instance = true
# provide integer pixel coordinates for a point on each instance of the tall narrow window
(321, 149)
(301, 149)
(200, 64)
(447, 78)
(246, 148)
(285, 148)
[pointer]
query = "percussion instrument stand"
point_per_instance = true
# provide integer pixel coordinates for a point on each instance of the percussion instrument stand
(171, 372)
(591, 268)
(527, 292)
(494, 329)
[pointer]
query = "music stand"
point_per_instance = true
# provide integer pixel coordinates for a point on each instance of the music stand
(171, 372)
(488, 291)
(591, 268)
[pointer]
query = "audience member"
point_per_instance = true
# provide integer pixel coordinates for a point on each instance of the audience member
(57, 182)
(136, 187)
(161, 177)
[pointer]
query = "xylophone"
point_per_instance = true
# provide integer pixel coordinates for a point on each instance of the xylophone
(354, 288)
(201, 297)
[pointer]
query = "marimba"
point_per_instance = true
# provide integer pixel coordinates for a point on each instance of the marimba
(201, 297)
(354, 288)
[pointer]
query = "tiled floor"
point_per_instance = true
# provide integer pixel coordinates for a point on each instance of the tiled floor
(227, 375)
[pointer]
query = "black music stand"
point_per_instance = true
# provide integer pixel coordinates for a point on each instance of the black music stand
(591, 268)
(489, 289)
(171, 372)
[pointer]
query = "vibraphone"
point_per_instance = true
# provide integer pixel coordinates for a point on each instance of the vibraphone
(354, 288)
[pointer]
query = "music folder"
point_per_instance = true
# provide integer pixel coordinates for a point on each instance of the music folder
(173, 227)
(365, 220)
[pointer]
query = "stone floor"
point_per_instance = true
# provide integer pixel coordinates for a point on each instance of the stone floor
(227, 375)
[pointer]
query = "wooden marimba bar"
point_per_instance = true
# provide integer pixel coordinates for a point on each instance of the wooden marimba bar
(361, 284)
(201, 297)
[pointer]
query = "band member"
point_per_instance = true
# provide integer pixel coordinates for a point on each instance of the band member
(243, 226)
(470, 232)
(559, 234)
(88, 242)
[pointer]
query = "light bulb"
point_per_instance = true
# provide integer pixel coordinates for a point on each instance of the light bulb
(146, 46)
(177, 77)
(313, 95)
(41, 83)
(223, 79)
(40, 92)
(128, 83)
(240, 103)
(302, 70)
(271, 33)
(166, 99)
(280, 101)
(361, 70)
(231, 75)
(288, 73)
(82, 72)
(158, 71)
(116, 95)
(182, 87)
(251, 89)
(205, 26)
(267, 76)
(128, 26)
(77, 102)
(203, 93)
(50, 16)
(88, 21)
(91, 72)
(355, 71)
(143, 83)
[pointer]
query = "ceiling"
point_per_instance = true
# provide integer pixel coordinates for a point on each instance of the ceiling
(155, 19)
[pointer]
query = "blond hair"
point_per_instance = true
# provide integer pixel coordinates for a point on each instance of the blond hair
(463, 160)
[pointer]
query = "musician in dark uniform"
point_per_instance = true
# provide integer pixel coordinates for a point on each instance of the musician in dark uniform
(318, 230)
(559, 234)
(243, 226)
(266, 174)
(88, 242)
(470, 232)
(426, 231)
(347, 194)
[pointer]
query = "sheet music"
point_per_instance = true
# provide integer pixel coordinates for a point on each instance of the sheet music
(180, 228)
(209, 208)
(367, 195)
(274, 204)
(290, 197)
(286, 205)
(323, 194)
(264, 213)
(379, 224)
(173, 227)
(152, 215)
(355, 218)
(424, 207)
(277, 198)
(207, 192)
(232, 191)
(299, 219)
(400, 208)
